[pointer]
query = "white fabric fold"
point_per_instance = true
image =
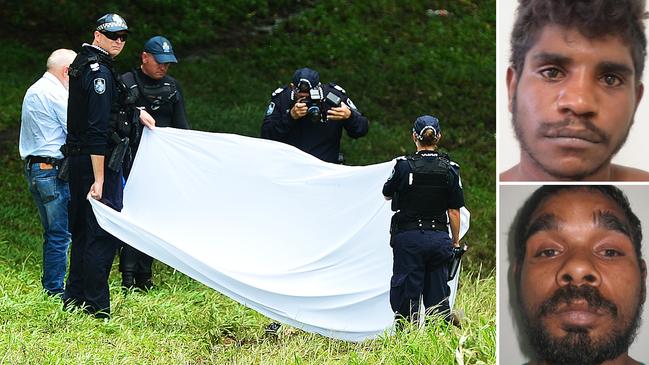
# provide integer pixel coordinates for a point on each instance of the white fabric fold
(301, 241)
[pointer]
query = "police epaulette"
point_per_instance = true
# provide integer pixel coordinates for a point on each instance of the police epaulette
(278, 90)
(337, 87)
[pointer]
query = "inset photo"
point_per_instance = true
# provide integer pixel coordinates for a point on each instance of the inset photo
(570, 88)
(572, 274)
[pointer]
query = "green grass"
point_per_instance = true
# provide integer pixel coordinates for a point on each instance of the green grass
(184, 322)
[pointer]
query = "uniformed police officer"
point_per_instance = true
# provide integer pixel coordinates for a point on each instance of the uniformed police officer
(100, 122)
(426, 194)
(161, 96)
(311, 116)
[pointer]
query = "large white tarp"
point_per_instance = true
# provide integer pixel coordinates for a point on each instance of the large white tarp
(302, 241)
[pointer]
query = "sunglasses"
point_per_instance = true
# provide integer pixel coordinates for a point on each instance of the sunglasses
(114, 36)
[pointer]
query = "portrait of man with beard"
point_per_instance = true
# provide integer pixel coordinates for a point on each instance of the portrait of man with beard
(572, 275)
(574, 85)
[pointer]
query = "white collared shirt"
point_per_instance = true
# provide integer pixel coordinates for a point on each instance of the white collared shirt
(44, 118)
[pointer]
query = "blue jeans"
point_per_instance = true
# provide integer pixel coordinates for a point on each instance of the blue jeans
(51, 196)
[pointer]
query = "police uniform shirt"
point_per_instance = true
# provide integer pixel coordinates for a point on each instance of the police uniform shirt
(170, 111)
(92, 93)
(399, 180)
(321, 140)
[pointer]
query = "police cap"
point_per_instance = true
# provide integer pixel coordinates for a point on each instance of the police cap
(306, 75)
(426, 122)
(111, 22)
(161, 49)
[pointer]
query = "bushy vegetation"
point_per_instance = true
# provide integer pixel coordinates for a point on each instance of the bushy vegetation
(396, 59)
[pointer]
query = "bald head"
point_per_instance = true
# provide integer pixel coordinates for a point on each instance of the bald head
(59, 62)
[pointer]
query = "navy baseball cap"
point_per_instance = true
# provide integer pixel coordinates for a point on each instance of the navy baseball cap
(426, 122)
(161, 49)
(312, 77)
(111, 22)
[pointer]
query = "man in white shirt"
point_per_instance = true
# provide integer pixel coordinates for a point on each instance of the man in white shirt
(43, 131)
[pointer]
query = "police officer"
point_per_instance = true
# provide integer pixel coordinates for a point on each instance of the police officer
(426, 194)
(311, 116)
(161, 96)
(100, 122)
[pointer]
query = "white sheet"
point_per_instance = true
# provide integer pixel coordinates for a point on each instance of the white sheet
(301, 241)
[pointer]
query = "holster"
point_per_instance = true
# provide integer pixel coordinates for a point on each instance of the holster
(117, 155)
(64, 165)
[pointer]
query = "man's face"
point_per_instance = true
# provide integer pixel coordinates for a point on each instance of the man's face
(573, 103)
(152, 68)
(113, 47)
(581, 284)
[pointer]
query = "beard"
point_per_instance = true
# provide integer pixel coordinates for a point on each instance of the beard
(556, 171)
(577, 347)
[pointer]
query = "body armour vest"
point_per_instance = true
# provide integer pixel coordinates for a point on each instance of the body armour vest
(121, 113)
(425, 197)
(156, 95)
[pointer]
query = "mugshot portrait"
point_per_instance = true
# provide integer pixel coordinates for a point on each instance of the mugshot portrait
(604, 110)
(615, 287)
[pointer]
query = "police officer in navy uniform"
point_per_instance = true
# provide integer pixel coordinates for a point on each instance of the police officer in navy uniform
(161, 96)
(156, 91)
(100, 124)
(426, 194)
(311, 116)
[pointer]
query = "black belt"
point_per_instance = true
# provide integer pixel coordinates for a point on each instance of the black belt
(40, 159)
(422, 225)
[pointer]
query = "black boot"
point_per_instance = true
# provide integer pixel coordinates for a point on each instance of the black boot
(128, 280)
(143, 282)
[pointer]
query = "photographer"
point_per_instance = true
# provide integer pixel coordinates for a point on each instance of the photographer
(310, 116)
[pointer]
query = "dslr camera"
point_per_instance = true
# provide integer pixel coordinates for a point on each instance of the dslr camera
(317, 103)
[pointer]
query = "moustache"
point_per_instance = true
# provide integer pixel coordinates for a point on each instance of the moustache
(581, 128)
(572, 293)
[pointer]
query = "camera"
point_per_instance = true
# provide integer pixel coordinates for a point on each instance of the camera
(316, 104)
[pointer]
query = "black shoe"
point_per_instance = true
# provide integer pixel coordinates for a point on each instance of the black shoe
(273, 328)
(144, 282)
(128, 281)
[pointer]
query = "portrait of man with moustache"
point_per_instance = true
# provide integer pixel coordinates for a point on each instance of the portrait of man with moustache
(574, 84)
(572, 275)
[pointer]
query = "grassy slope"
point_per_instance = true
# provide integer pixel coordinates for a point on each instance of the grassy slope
(394, 70)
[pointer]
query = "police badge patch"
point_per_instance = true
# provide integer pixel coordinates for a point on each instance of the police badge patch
(270, 109)
(100, 85)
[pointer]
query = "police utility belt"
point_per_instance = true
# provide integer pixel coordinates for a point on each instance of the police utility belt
(421, 224)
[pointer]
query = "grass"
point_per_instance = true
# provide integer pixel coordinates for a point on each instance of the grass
(184, 322)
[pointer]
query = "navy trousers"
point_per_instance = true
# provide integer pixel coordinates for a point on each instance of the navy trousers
(93, 249)
(420, 267)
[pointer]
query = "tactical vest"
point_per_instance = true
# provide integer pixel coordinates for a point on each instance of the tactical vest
(164, 92)
(426, 194)
(121, 119)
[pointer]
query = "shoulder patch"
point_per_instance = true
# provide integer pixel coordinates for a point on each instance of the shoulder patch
(277, 91)
(94, 66)
(271, 108)
(337, 87)
(100, 85)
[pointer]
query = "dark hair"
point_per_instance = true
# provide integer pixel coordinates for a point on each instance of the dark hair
(521, 223)
(592, 18)
(429, 138)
